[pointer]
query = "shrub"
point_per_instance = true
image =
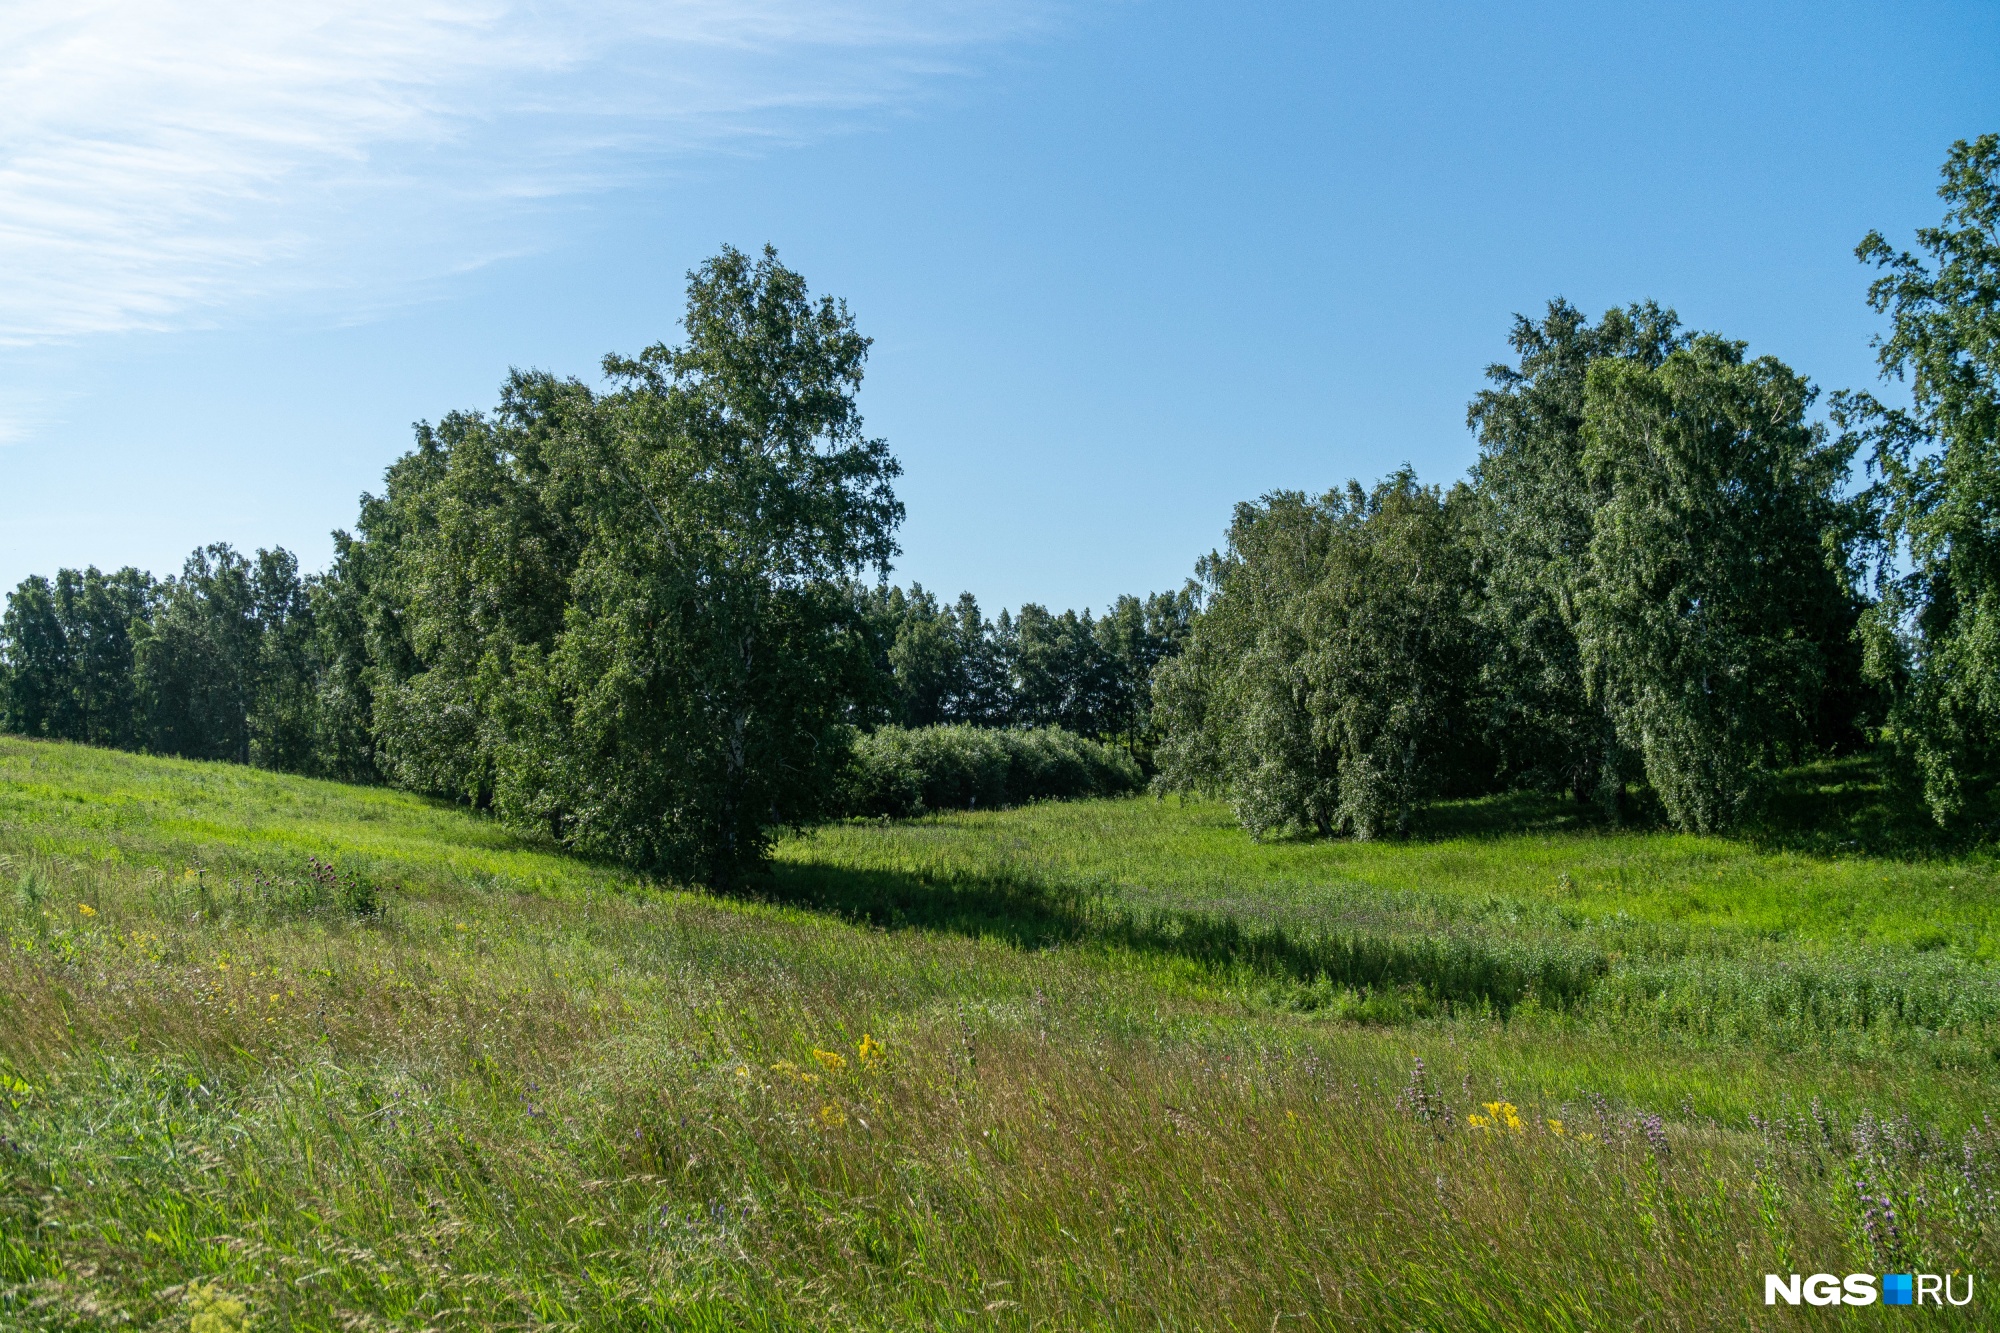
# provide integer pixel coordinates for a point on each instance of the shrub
(903, 771)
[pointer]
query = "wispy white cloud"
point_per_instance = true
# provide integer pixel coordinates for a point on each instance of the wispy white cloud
(164, 161)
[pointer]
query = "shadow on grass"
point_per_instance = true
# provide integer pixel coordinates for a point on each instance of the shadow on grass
(1505, 815)
(1850, 806)
(1847, 806)
(1029, 913)
(1855, 806)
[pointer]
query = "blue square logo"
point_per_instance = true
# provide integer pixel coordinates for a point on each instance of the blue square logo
(1897, 1289)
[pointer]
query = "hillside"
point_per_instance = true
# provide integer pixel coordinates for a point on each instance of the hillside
(340, 1058)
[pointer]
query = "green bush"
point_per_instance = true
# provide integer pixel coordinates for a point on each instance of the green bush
(903, 771)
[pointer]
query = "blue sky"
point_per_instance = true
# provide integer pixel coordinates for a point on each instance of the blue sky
(1125, 263)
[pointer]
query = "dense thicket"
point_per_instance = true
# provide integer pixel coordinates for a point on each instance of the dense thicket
(626, 617)
(1657, 576)
(904, 771)
(1537, 513)
(223, 661)
(69, 665)
(1649, 575)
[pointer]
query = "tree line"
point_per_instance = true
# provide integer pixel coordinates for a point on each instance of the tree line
(221, 662)
(944, 665)
(633, 618)
(250, 661)
(1657, 576)
(640, 618)
(1647, 576)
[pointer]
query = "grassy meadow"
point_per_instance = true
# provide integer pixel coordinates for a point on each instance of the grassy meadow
(284, 1054)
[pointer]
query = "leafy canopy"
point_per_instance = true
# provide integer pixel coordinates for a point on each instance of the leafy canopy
(1934, 637)
(1716, 559)
(628, 617)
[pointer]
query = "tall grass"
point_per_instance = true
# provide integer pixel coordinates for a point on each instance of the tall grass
(476, 1086)
(1694, 942)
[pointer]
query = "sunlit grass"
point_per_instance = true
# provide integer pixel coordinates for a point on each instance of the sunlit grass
(517, 1091)
(1500, 854)
(1883, 965)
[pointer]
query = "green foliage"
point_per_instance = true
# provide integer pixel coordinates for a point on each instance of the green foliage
(630, 620)
(1235, 702)
(1326, 684)
(234, 659)
(223, 668)
(1716, 562)
(941, 663)
(1137, 636)
(1934, 636)
(1088, 674)
(626, 619)
(196, 663)
(1650, 572)
(901, 772)
(1537, 513)
(1062, 677)
(461, 561)
(66, 656)
(343, 667)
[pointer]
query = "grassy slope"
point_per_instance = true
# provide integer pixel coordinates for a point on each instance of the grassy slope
(1109, 1091)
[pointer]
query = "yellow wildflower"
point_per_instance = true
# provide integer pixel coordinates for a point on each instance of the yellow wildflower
(743, 1071)
(1499, 1115)
(833, 1061)
(212, 1310)
(86, 909)
(1556, 1128)
(15, 1092)
(832, 1116)
(870, 1051)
